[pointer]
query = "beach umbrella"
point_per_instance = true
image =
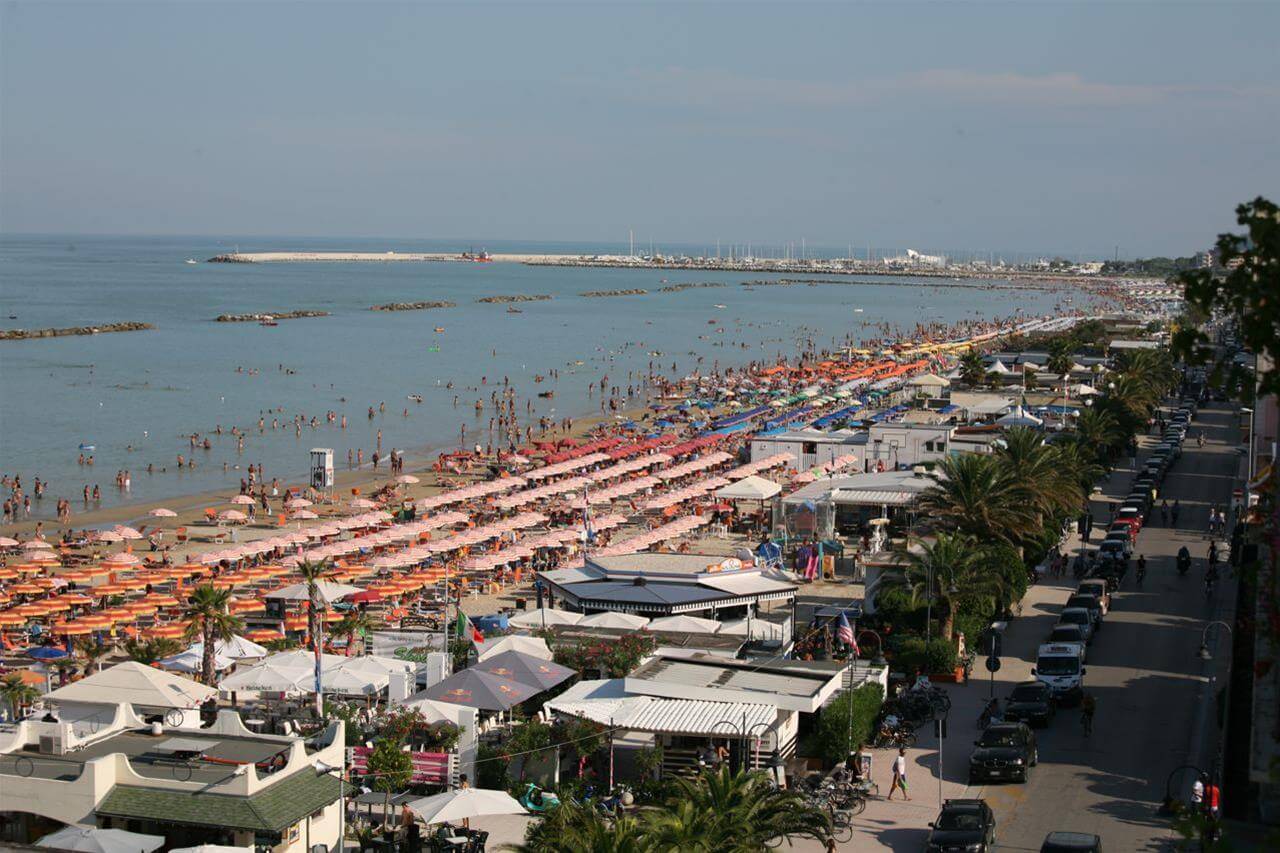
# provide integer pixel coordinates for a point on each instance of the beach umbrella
(161, 512)
(526, 669)
(45, 653)
(407, 479)
(6, 542)
(363, 503)
(267, 677)
(94, 840)
(127, 532)
(242, 500)
(298, 503)
(35, 545)
(232, 515)
(476, 689)
(685, 624)
(609, 619)
(463, 804)
(303, 515)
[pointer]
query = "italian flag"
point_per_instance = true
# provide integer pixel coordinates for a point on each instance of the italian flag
(467, 631)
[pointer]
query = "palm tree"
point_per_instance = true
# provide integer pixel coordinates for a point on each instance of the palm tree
(1060, 360)
(574, 827)
(1098, 432)
(973, 368)
(312, 573)
(723, 810)
(17, 693)
(944, 568)
(150, 651)
(211, 621)
(355, 622)
(93, 651)
(1036, 470)
(974, 494)
(1079, 462)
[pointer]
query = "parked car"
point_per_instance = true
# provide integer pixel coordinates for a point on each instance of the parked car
(1088, 602)
(1116, 547)
(968, 825)
(1071, 842)
(1004, 752)
(1078, 616)
(1065, 633)
(1031, 702)
(1097, 589)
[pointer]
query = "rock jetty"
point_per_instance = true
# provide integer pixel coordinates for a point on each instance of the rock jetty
(27, 334)
(411, 306)
(676, 288)
(268, 315)
(597, 294)
(525, 297)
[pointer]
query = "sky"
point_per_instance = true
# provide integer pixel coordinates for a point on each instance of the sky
(1075, 128)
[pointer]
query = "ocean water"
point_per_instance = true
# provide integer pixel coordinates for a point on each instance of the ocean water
(135, 396)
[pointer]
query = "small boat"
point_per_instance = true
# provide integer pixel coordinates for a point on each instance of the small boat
(190, 261)
(857, 310)
(439, 329)
(268, 321)
(546, 395)
(417, 398)
(718, 305)
(511, 310)
(88, 447)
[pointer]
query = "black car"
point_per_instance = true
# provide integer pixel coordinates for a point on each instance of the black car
(1071, 842)
(1006, 751)
(1031, 702)
(967, 825)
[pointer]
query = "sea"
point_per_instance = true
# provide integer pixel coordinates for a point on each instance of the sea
(135, 397)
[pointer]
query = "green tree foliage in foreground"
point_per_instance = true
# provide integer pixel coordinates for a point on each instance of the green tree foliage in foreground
(1245, 285)
(837, 734)
(715, 812)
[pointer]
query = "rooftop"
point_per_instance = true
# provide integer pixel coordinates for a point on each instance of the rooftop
(149, 756)
(797, 685)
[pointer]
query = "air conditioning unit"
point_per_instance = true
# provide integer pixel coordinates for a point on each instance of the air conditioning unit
(51, 745)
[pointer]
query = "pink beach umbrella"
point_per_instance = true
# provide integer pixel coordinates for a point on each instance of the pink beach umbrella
(303, 515)
(6, 542)
(35, 545)
(242, 500)
(107, 536)
(232, 515)
(407, 479)
(127, 532)
(161, 512)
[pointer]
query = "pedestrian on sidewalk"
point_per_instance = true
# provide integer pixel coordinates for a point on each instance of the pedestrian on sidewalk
(899, 775)
(1164, 513)
(1173, 512)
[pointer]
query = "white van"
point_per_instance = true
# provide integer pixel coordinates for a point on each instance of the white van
(1060, 666)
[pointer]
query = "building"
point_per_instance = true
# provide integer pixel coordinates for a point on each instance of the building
(848, 504)
(897, 445)
(808, 448)
(217, 785)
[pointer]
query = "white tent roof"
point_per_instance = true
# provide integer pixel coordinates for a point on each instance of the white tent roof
(94, 840)
(690, 624)
(749, 489)
(535, 646)
(193, 661)
(609, 619)
(1019, 417)
(759, 629)
(464, 803)
(544, 616)
(928, 380)
(328, 590)
(268, 677)
(998, 366)
(135, 684)
(237, 648)
(1083, 390)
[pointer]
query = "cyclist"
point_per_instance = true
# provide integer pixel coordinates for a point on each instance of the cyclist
(1088, 705)
(1142, 567)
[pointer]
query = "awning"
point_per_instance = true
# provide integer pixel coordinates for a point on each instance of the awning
(872, 497)
(273, 809)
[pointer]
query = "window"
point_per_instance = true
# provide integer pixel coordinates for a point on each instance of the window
(809, 447)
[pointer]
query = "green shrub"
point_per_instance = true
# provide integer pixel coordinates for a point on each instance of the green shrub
(938, 655)
(833, 740)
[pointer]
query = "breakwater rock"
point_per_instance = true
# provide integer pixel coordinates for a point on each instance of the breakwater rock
(597, 294)
(267, 315)
(411, 306)
(28, 334)
(676, 288)
(519, 297)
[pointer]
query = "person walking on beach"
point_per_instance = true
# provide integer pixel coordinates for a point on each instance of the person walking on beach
(899, 775)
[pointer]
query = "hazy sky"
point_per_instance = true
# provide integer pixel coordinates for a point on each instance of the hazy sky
(1030, 126)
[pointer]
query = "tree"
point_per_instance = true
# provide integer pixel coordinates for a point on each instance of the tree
(17, 693)
(1060, 356)
(93, 652)
(838, 733)
(574, 827)
(722, 811)
(974, 494)
(150, 651)
(390, 769)
(355, 622)
(973, 368)
(1099, 433)
(1037, 472)
(934, 569)
(211, 621)
(1244, 287)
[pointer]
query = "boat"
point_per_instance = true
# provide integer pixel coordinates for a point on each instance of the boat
(439, 329)
(546, 395)
(268, 321)
(480, 257)
(190, 261)
(514, 310)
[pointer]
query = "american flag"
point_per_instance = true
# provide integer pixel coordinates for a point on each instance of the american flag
(844, 633)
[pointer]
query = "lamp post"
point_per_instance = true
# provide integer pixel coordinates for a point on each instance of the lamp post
(737, 728)
(878, 660)
(337, 772)
(1248, 480)
(1203, 653)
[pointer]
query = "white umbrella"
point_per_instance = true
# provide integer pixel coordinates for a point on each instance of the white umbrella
(545, 616)
(688, 624)
(608, 619)
(267, 677)
(211, 848)
(193, 661)
(328, 590)
(94, 840)
(463, 804)
(161, 512)
(406, 479)
(237, 648)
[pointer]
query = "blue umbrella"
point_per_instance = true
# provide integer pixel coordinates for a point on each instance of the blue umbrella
(45, 653)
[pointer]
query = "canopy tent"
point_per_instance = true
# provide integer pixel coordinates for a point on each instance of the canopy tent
(269, 678)
(1083, 390)
(687, 624)
(193, 661)
(534, 646)
(463, 804)
(612, 619)
(237, 648)
(928, 380)
(526, 669)
(749, 489)
(544, 617)
(1018, 417)
(475, 689)
(328, 591)
(94, 840)
(997, 366)
(135, 684)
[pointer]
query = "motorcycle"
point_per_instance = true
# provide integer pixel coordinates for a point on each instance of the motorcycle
(1184, 563)
(537, 800)
(1209, 582)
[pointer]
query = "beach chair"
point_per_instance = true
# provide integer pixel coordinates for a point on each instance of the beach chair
(210, 515)
(180, 534)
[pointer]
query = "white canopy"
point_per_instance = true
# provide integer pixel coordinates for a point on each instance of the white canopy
(535, 646)
(1083, 390)
(266, 677)
(609, 619)
(749, 489)
(211, 848)
(237, 648)
(997, 366)
(1019, 417)
(94, 840)
(928, 380)
(464, 803)
(193, 661)
(328, 591)
(755, 629)
(135, 684)
(688, 624)
(544, 616)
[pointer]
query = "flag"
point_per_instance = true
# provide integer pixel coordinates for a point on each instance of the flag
(467, 631)
(844, 633)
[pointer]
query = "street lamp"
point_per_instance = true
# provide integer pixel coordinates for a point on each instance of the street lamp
(1248, 480)
(878, 660)
(1204, 652)
(323, 769)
